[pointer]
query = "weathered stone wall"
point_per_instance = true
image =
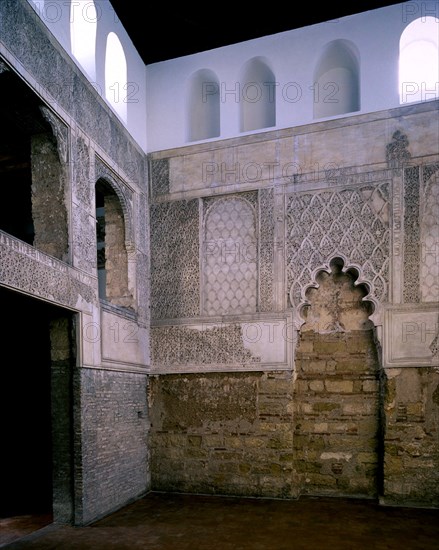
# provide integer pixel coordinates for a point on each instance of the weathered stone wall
(49, 212)
(315, 432)
(223, 433)
(337, 397)
(337, 421)
(116, 260)
(411, 465)
(344, 217)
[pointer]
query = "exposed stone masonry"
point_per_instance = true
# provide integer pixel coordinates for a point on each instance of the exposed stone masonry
(336, 436)
(116, 258)
(411, 466)
(49, 211)
(223, 433)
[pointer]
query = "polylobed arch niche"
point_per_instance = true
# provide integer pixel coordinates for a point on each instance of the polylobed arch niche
(257, 96)
(336, 84)
(33, 177)
(337, 302)
(419, 61)
(112, 254)
(203, 105)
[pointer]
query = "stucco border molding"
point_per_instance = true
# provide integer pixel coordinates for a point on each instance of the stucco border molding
(411, 336)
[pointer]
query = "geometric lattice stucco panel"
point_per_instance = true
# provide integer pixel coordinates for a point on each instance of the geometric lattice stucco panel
(353, 223)
(175, 272)
(429, 272)
(229, 257)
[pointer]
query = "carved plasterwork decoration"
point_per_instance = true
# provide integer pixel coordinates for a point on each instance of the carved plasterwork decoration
(429, 267)
(412, 239)
(175, 256)
(352, 224)
(83, 181)
(266, 249)
(25, 268)
(174, 346)
(229, 257)
(159, 169)
(397, 153)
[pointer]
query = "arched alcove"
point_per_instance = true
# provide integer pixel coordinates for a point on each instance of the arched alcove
(257, 96)
(335, 302)
(337, 80)
(34, 177)
(83, 28)
(419, 61)
(203, 105)
(112, 255)
(116, 76)
(337, 396)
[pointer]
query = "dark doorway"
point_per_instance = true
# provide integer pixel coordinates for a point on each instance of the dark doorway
(29, 410)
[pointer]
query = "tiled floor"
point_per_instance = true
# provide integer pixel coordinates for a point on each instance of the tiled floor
(196, 522)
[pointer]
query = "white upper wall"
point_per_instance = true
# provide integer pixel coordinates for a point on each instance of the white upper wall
(358, 54)
(335, 69)
(96, 24)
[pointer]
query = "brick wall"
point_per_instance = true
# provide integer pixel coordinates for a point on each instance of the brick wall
(113, 439)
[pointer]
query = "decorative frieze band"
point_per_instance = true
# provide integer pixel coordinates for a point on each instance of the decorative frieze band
(26, 269)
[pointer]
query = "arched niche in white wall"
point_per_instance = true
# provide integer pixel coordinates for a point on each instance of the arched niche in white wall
(116, 75)
(336, 83)
(257, 96)
(203, 105)
(83, 28)
(419, 61)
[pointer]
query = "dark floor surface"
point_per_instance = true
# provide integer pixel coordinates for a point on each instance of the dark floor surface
(166, 521)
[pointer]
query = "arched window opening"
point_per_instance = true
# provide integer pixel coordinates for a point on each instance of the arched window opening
(116, 76)
(83, 27)
(336, 84)
(257, 96)
(34, 179)
(419, 61)
(100, 240)
(203, 106)
(112, 257)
